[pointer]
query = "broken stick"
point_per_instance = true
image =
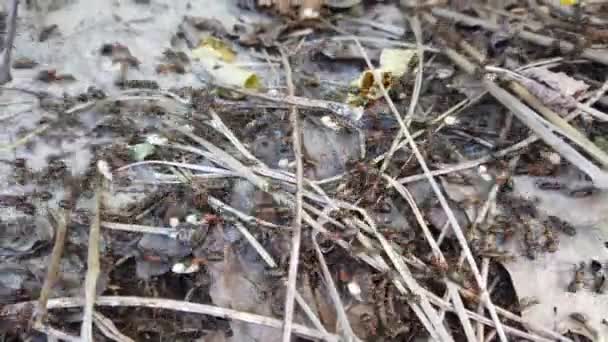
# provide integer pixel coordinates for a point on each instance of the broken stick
(5, 55)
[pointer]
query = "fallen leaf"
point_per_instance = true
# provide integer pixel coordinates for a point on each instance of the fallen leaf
(559, 81)
(139, 152)
(215, 47)
(230, 74)
(216, 58)
(549, 96)
(394, 63)
(237, 284)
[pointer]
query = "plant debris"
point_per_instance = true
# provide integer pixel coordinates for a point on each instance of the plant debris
(304, 170)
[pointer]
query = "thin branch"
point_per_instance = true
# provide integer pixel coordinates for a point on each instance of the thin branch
(52, 272)
(512, 331)
(415, 25)
(107, 327)
(485, 266)
(221, 157)
(5, 56)
(93, 268)
(23, 140)
(218, 124)
(256, 245)
(333, 292)
(297, 229)
(136, 228)
(377, 262)
(54, 333)
(343, 111)
(376, 41)
(593, 99)
(221, 206)
(311, 315)
(592, 111)
(13, 310)
(454, 110)
(9, 116)
(196, 167)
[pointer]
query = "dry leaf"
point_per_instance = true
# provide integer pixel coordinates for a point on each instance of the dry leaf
(237, 284)
(550, 97)
(216, 48)
(394, 63)
(555, 89)
(216, 58)
(559, 81)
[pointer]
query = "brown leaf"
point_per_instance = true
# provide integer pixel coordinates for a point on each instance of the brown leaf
(551, 97)
(558, 81)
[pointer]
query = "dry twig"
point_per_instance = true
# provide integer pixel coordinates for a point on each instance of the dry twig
(93, 268)
(415, 24)
(107, 327)
(54, 333)
(335, 296)
(5, 56)
(297, 228)
(13, 310)
(221, 206)
(52, 273)
(347, 114)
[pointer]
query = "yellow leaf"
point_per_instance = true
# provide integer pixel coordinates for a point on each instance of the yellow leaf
(230, 74)
(396, 61)
(214, 47)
